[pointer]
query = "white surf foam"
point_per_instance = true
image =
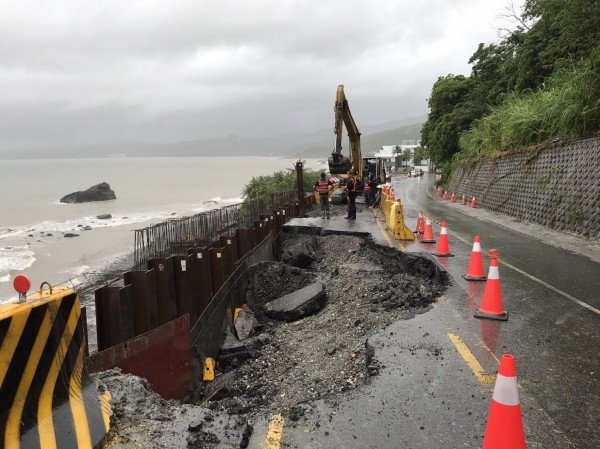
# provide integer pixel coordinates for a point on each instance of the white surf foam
(14, 258)
(118, 219)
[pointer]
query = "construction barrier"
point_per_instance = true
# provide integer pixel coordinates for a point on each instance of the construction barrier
(400, 230)
(47, 398)
(393, 213)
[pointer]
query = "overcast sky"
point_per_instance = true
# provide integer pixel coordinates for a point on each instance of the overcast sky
(81, 72)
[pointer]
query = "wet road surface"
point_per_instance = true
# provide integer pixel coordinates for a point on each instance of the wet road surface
(435, 387)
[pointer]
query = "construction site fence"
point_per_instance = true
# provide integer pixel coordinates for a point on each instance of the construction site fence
(175, 236)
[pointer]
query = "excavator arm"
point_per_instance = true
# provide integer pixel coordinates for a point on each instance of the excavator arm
(338, 163)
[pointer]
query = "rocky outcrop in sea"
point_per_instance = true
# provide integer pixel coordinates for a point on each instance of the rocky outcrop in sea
(99, 192)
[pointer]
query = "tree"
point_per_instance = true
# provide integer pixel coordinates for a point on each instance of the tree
(419, 154)
(550, 36)
(397, 151)
(281, 181)
(452, 110)
(406, 154)
(568, 29)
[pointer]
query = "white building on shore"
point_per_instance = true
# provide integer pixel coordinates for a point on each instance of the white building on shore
(388, 154)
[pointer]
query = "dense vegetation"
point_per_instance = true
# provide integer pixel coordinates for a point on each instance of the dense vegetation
(540, 82)
(281, 181)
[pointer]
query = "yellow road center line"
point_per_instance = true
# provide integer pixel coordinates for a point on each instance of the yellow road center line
(468, 356)
(274, 434)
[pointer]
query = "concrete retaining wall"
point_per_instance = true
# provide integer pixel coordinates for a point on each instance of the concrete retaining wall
(557, 186)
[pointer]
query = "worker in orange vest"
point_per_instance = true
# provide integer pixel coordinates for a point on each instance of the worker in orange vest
(323, 186)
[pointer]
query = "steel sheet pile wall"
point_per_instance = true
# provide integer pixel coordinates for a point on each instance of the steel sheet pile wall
(557, 186)
(194, 278)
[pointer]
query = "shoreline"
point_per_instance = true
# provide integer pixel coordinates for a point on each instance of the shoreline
(112, 271)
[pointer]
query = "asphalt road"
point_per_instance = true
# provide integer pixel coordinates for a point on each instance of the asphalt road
(435, 388)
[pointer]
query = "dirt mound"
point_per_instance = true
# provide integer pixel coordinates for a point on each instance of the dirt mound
(141, 418)
(285, 366)
(367, 286)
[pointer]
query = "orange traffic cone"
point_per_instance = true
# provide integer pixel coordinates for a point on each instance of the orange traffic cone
(464, 200)
(445, 197)
(475, 271)
(491, 304)
(439, 191)
(504, 429)
(428, 236)
(452, 198)
(420, 223)
(473, 202)
(443, 250)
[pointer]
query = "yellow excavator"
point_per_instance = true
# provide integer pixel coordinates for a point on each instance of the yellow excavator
(338, 163)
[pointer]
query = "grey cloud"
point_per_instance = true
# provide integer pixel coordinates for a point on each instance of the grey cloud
(84, 72)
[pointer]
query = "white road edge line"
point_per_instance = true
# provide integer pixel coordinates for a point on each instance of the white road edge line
(539, 281)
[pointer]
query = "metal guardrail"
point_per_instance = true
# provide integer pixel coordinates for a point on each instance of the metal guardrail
(176, 236)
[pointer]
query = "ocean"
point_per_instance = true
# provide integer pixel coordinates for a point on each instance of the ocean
(148, 190)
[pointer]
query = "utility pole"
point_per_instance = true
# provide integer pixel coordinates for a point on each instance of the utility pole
(300, 186)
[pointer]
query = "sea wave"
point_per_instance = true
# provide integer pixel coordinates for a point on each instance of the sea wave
(14, 258)
(118, 219)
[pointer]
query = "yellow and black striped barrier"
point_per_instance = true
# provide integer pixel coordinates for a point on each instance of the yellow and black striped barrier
(47, 398)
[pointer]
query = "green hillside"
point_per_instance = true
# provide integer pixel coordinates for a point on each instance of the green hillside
(370, 144)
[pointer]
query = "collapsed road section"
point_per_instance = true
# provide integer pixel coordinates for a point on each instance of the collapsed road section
(332, 293)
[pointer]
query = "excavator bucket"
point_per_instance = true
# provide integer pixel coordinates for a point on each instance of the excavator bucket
(339, 164)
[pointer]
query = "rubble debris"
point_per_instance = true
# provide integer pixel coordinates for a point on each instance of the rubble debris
(325, 354)
(298, 304)
(286, 366)
(302, 254)
(141, 418)
(245, 324)
(236, 355)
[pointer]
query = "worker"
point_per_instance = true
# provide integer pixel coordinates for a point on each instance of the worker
(366, 188)
(324, 186)
(372, 190)
(351, 194)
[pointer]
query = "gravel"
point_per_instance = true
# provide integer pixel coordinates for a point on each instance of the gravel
(142, 419)
(368, 287)
(291, 364)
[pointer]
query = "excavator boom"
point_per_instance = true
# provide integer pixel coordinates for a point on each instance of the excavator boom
(338, 163)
